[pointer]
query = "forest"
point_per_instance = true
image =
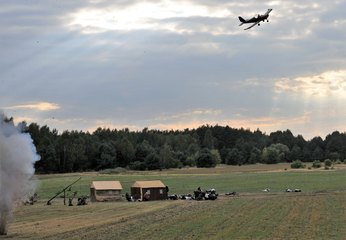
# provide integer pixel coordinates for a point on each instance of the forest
(206, 146)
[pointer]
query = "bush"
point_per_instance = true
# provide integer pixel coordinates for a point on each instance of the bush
(205, 159)
(316, 164)
(113, 170)
(297, 164)
(338, 161)
(137, 165)
(327, 163)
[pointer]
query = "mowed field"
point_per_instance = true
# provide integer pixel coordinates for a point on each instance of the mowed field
(318, 212)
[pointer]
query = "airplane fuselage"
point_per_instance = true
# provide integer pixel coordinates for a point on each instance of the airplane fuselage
(259, 18)
(255, 20)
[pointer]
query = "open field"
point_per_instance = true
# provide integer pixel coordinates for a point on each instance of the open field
(319, 212)
(249, 178)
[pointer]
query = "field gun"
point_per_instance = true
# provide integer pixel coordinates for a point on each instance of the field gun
(63, 191)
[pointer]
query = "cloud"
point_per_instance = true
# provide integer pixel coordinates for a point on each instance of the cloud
(326, 84)
(40, 106)
(264, 123)
(158, 15)
(173, 64)
(197, 113)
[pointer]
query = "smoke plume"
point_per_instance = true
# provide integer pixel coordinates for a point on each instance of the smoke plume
(17, 158)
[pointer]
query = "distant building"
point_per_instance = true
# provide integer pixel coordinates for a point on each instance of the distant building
(102, 191)
(149, 190)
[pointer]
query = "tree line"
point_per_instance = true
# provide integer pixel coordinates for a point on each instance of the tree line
(206, 146)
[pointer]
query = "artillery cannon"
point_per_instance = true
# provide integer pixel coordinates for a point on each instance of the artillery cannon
(63, 191)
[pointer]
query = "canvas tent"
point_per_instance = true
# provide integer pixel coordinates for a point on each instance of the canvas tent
(102, 191)
(156, 190)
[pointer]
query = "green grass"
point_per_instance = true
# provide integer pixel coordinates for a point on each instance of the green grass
(300, 216)
(316, 213)
(251, 182)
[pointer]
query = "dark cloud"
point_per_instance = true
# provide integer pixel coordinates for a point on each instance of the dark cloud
(176, 66)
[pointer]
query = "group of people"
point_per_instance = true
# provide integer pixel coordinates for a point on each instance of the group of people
(207, 195)
(146, 197)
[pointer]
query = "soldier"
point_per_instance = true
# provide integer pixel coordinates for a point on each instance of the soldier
(70, 202)
(128, 197)
(146, 196)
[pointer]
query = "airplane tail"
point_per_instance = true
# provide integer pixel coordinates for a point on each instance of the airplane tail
(242, 20)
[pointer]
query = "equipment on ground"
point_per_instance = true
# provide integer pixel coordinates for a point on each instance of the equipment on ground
(67, 188)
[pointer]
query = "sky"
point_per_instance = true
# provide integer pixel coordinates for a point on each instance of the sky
(84, 64)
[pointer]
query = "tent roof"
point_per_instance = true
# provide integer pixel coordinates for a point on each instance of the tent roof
(149, 184)
(106, 185)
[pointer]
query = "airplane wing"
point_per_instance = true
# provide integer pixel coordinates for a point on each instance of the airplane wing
(252, 25)
(269, 10)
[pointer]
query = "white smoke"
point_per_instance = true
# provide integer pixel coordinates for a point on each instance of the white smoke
(17, 158)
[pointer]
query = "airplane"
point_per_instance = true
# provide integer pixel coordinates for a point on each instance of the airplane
(255, 20)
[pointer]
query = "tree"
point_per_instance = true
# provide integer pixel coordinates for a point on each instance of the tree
(316, 142)
(192, 159)
(143, 150)
(167, 158)
(50, 160)
(270, 155)
(108, 148)
(205, 159)
(77, 154)
(283, 151)
(92, 144)
(255, 156)
(137, 165)
(234, 157)
(125, 152)
(193, 148)
(34, 130)
(275, 153)
(152, 161)
(317, 153)
(216, 155)
(285, 137)
(223, 154)
(244, 148)
(334, 156)
(208, 140)
(46, 145)
(107, 156)
(182, 158)
(296, 153)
